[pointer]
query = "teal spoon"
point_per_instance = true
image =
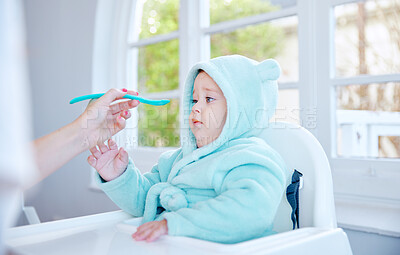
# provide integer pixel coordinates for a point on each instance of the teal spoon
(140, 99)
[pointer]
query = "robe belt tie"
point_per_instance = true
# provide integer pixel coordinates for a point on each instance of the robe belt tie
(171, 198)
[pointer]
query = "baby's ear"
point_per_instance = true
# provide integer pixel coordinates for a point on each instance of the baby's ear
(269, 70)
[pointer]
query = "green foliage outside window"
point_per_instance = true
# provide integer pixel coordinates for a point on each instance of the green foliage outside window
(159, 71)
(159, 17)
(159, 63)
(257, 42)
(225, 10)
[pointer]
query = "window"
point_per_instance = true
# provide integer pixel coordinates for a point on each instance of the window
(261, 30)
(154, 54)
(157, 67)
(368, 114)
(341, 76)
(357, 76)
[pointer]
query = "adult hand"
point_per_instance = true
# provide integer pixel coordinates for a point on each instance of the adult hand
(101, 120)
(97, 124)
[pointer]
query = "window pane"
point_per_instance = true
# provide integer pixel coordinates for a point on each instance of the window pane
(159, 17)
(367, 38)
(288, 106)
(159, 126)
(368, 120)
(224, 10)
(159, 67)
(277, 39)
(389, 146)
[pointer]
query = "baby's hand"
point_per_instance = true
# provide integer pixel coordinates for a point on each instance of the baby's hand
(109, 162)
(151, 231)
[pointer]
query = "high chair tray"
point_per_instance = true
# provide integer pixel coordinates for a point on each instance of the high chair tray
(110, 233)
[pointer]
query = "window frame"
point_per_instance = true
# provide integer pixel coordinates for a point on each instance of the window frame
(363, 185)
(368, 185)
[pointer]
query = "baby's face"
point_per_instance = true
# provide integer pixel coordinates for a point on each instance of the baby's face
(208, 115)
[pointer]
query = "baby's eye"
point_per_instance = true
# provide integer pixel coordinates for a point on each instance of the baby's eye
(209, 99)
(194, 101)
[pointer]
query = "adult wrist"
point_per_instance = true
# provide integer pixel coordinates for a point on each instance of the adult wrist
(82, 134)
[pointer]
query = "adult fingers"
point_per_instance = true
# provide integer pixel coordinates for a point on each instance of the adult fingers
(126, 105)
(125, 114)
(131, 92)
(110, 96)
(91, 101)
(116, 108)
(133, 103)
(120, 123)
(95, 152)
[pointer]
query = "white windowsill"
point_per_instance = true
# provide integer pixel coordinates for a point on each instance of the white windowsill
(368, 215)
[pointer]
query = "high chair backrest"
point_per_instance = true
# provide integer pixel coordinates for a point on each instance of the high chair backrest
(302, 151)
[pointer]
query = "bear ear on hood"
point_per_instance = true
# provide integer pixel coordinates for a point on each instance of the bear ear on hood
(269, 70)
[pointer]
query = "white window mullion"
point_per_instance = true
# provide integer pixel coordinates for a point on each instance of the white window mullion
(326, 103)
(366, 79)
(232, 25)
(288, 85)
(193, 16)
(155, 39)
(307, 64)
(341, 2)
(193, 46)
(170, 94)
(117, 56)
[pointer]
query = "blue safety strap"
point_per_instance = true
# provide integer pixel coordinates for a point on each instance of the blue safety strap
(292, 195)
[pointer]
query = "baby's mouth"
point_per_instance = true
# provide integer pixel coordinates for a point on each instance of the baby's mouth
(196, 122)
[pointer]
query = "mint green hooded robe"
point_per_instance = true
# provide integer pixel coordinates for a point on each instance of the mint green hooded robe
(229, 190)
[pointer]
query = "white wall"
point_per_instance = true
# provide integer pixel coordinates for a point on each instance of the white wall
(60, 39)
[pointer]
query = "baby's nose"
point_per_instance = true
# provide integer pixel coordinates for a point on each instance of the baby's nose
(196, 108)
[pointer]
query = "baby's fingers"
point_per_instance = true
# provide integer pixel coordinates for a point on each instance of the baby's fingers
(143, 233)
(92, 161)
(122, 159)
(155, 235)
(143, 229)
(103, 148)
(95, 152)
(112, 145)
(123, 155)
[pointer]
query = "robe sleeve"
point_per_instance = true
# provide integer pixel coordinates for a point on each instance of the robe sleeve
(129, 190)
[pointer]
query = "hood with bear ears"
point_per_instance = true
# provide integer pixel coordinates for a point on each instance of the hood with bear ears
(251, 93)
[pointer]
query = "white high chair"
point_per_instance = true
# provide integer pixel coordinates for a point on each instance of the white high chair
(109, 233)
(302, 151)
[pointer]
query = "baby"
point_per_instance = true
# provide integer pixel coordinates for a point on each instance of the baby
(224, 184)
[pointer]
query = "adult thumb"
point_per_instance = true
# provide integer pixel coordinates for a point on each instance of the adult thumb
(111, 95)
